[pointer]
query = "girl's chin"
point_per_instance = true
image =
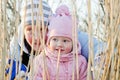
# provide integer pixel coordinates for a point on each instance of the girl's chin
(60, 52)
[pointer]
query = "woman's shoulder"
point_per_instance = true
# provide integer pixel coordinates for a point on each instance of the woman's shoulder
(39, 57)
(14, 47)
(14, 41)
(82, 59)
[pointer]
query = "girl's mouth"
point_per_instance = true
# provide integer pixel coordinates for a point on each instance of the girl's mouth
(59, 50)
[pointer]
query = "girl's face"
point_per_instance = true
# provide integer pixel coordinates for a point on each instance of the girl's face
(36, 35)
(62, 44)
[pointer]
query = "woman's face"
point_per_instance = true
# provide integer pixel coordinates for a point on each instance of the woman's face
(34, 36)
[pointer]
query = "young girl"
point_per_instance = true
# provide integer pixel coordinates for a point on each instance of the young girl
(23, 42)
(59, 51)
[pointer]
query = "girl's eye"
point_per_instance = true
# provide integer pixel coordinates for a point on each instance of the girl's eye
(54, 39)
(64, 40)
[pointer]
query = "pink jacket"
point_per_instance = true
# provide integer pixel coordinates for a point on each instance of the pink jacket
(65, 66)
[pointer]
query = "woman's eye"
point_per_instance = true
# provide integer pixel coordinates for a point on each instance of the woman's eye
(29, 29)
(40, 29)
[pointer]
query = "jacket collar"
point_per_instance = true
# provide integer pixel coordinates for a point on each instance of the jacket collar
(54, 56)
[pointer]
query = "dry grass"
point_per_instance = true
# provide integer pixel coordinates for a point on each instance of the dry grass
(108, 68)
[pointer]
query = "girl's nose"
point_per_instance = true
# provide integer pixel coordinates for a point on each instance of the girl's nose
(59, 44)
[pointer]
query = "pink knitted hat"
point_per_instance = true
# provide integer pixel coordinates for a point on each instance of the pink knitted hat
(61, 23)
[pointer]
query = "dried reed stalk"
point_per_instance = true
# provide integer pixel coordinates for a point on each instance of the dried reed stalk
(75, 40)
(58, 62)
(111, 55)
(99, 66)
(118, 62)
(91, 57)
(1, 38)
(4, 42)
(45, 71)
(33, 40)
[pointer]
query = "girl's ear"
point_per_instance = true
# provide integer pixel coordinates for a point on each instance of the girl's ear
(79, 47)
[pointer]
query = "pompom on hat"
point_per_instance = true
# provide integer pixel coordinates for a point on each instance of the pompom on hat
(60, 23)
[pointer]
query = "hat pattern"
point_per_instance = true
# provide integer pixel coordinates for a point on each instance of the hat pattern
(34, 9)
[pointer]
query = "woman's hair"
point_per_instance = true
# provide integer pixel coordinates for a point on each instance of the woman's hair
(27, 45)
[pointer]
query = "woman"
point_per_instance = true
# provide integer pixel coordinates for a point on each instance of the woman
(28, 38)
